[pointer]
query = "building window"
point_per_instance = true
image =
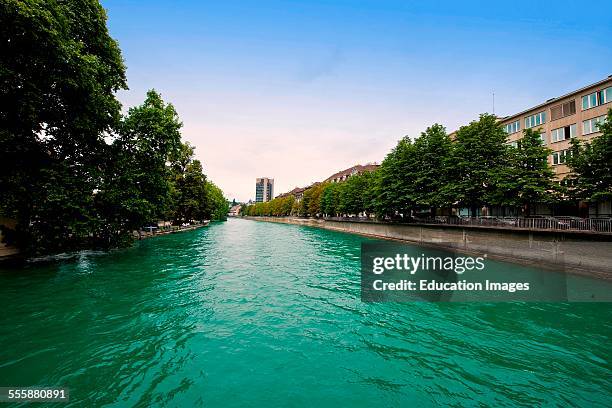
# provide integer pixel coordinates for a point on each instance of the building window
(560, 156)
(589, 101)
(592, 125)
(513, 127)
(565, 154)
(535, 120)
(563, 133)
(516, 143)
(562, 110)
(543, 138)
(597, 98)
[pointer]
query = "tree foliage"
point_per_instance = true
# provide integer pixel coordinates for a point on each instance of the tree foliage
(477, 155)
(280, 206)
(477, 168)
(433, 168)
(59, 70)
(216, 206)
(526, 177)
(74, 172)
(396, 180)
(591, 165)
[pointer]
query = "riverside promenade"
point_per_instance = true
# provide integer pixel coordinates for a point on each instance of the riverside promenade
(143, 234)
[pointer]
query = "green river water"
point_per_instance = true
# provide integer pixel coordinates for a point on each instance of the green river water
(257, 314)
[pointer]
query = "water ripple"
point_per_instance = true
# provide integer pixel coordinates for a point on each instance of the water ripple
(251, 313)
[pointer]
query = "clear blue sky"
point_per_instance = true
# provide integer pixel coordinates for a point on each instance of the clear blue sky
(297, 90)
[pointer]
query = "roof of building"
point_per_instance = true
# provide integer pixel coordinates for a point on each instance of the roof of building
(298, 190)
(358, 168)
(292, 192)
(548, 101)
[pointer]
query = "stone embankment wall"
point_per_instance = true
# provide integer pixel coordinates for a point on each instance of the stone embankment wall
(577, 252)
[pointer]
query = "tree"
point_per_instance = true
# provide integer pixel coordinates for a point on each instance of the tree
(138, 186)
(187, 186)
(591, 165)
(526, 178)
(305, 203)
(314, 206)
(330, 199)
(59, 71)
(396, 180)
(74, 173)
(150, 135)
(192, 204)
(432, 169)
(356, 194)
(295, 208)
(370, 191)
(287, 205)
(477, 154)
(217, 205)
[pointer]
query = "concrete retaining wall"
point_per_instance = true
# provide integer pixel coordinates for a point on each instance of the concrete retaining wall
(575, 252)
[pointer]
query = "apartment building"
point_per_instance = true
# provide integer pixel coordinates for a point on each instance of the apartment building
(264, 189)
(576, 114)
(338, 177)
(297, 193)
(351, 171)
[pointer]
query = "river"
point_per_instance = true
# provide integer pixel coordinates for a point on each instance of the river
(246, 313)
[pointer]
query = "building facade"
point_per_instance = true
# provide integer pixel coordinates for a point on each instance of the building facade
(345, 174)
(264, 189)
(235, 210)
(576, 114)
(298, 192)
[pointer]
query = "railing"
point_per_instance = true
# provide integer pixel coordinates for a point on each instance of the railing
(535, 223)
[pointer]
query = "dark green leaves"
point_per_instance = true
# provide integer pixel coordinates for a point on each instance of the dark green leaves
(66, 187)
(591, 164)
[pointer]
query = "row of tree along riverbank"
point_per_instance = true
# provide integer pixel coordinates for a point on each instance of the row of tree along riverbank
(435, 174)
(575, 252)
(12, 254)
(75, 172)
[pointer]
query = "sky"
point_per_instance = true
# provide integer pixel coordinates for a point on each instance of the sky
(298, 90)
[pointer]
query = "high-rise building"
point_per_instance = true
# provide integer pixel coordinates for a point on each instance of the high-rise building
(576, 114)
(264, 189)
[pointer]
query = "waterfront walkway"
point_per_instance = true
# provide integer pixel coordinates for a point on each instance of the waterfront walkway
(172, 229)
(571, 224)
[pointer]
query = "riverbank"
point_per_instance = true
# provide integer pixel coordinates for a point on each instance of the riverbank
(574, 252)
(170, 230)
(10, 253)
